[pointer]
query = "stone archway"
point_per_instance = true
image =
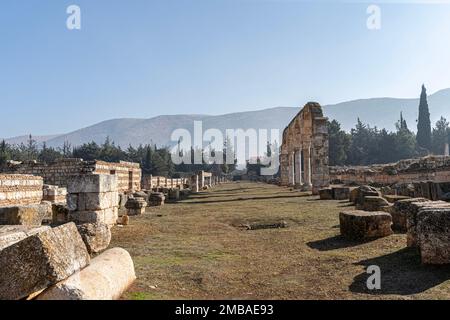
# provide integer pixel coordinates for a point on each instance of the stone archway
(304, 150)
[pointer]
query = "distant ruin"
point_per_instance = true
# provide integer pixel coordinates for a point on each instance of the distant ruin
(304, 150)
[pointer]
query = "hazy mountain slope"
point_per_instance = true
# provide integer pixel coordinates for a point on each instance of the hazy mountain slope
(24, 139)
(380, 112)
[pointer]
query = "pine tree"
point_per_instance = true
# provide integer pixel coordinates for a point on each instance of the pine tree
(424, 123)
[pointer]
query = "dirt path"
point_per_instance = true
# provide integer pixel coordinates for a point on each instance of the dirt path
(195, 249)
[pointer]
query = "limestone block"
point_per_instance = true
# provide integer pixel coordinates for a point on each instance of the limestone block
(107, 277)
(400, 211)
(156, 199)
(95, 183)
(40, 261)
(341, 193)
(361, 225)
(30, 215)
(135, 206)
(108, 216)
(366, 191)
(96, 237)
(12, 234)
(433, 234)
(412, 211)
(326, 194)
(97, 201)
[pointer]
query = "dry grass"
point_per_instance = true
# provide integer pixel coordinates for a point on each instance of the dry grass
(195, 251)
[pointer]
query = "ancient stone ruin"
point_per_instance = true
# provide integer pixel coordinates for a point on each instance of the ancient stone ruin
(54, 237)
(304, 150)
(60, 172)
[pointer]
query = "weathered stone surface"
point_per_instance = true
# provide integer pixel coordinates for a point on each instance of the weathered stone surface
(326, 194)
(361, 225)
(30, 215)
(108, 216)
(97, 201)
(305, 140)
(433, 234)
(400, 211)
(135, 206)
(12, 234)
(92, 183)
(412, 209)
(341, 193)
(60, 213)
(366, 191)
(96, 237)
(40, 261)
(372, 204)
(156, 199)
(107, 277)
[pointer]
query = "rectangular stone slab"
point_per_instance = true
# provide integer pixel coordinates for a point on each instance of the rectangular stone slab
(40, 261)
(92, 183)
(433, 234)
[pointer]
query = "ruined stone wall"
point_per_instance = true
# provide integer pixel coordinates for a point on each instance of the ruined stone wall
(431, 168)
(20, 190)
(60, 172)
(128, 174)
(304, 151)
(149, 182)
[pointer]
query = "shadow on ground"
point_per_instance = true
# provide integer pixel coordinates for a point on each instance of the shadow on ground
(333, 243)
(401, 273)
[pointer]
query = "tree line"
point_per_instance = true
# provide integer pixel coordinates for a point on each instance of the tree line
(365, 145)
(153, 160)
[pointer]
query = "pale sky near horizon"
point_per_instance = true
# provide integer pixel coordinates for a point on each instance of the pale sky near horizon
(141, 58)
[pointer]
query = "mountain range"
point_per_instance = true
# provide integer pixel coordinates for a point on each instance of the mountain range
(379, 112)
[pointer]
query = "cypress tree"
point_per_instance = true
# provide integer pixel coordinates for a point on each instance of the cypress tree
(424, 123)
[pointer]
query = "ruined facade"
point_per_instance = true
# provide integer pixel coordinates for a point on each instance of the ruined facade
(60, 172)
(304, 151)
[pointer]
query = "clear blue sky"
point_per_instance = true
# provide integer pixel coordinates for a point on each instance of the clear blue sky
(142, 58)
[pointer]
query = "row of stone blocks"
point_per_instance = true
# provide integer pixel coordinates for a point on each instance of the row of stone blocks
(54, 263)
(426, 223)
